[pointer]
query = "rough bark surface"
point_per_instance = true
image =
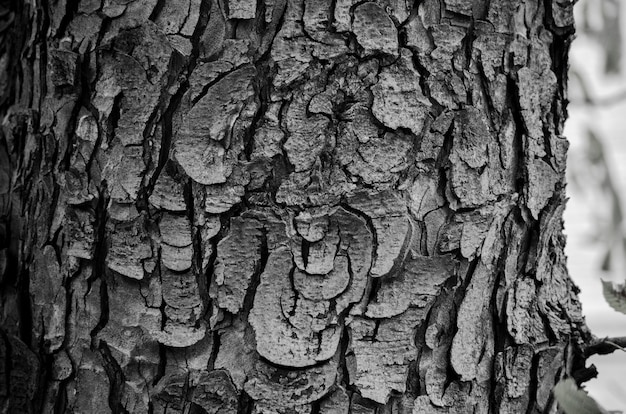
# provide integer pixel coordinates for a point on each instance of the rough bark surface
(284, 206)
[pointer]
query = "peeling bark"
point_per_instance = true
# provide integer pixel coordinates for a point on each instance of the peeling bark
(284, 206)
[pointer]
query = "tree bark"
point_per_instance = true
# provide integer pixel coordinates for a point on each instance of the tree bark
(284, 206)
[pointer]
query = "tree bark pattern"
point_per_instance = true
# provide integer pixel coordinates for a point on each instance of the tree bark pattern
(284, 206)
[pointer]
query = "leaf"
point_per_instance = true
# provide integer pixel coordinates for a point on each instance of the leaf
(574, 400)
(616, 298)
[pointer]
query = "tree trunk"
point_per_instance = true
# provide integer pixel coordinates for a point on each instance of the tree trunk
(284, 206)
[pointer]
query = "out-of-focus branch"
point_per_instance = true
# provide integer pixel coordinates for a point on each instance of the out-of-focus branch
(588, 99)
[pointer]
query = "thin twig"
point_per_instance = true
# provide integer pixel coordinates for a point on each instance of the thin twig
(606, 346)
(621, 348)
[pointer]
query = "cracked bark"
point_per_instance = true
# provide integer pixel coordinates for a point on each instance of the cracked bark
(284, 206)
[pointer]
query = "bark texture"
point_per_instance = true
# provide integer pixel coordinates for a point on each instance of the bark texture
(284, 206)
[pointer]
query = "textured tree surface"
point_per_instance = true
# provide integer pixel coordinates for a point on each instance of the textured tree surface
(284, 206)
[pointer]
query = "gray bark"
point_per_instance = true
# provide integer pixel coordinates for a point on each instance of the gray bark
(284, 206)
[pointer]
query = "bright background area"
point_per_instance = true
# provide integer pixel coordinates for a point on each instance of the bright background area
(588, 207)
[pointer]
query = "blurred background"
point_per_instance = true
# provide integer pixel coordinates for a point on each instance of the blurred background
(594, 218)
